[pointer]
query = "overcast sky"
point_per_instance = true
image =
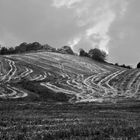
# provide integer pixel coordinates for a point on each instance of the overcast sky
(111, 25)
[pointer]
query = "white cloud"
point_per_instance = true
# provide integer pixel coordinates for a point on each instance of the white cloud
(95, 18)
(100, 31)
(74, 42)
(67, 3)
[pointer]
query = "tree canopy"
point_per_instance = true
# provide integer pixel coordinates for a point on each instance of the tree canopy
(138, 65)
(35, 46)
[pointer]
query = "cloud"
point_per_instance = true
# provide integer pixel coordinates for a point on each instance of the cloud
(95, 18)
(79, 23)
(100, 30)
(67, 3)
(74, 42)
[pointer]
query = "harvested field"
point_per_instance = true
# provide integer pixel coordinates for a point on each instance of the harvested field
(57, 96)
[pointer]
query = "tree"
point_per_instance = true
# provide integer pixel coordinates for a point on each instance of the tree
(65, 50)
(3, 51)
(48, 48)
(138, 65)
(36, 46)
(83, 53)
(22, 47)
(116, 64)
(11, 50)
(123, 66)
(97, 55)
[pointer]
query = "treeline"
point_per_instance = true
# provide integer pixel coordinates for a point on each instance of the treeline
(99, 55)
(95, 54)
(24, 47)
(35, 46)
(123, 66)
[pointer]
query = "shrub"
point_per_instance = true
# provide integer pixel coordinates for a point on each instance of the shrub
(3, 50)
(123, 66)
(83, 53)
(97, 54)
(65, 50)
(116, 64)
(138, 65)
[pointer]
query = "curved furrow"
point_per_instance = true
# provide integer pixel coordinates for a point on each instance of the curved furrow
(125, 82)
(2, 70)
(66, 60)
(39, 77)
(12, 72)
(12, 93)
(86, 90)
(21, 70)
(28, 61)
(132, 83)
(117, 80)
(8, 72)
(109, 91)
(88, 80)
(89, 83)
(104, 82)
(65, 83)
(112, 77)
(40, 64)
(26, 73)
(44, 60)
(20, 93)
(57, 89)
(137, 87)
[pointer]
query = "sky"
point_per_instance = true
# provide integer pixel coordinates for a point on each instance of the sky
(111, 25)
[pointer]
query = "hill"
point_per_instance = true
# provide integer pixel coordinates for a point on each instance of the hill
(54, 96)
(65, 77)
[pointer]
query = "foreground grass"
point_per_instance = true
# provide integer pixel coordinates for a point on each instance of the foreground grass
(22, 120)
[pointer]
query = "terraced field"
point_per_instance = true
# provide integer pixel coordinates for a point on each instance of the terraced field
(87, 80)
(52, 96)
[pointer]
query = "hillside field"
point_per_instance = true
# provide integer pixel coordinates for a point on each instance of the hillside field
(47, 95)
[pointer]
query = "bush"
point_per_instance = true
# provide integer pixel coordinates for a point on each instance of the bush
(3, 50)
(116, 64)
(35, 46)
(83, 53)
(123, 66)
(138, 65)
(65, 50)
(28, 47)
(97, 54)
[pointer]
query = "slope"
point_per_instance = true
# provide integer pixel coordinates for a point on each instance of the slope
(63, 77)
